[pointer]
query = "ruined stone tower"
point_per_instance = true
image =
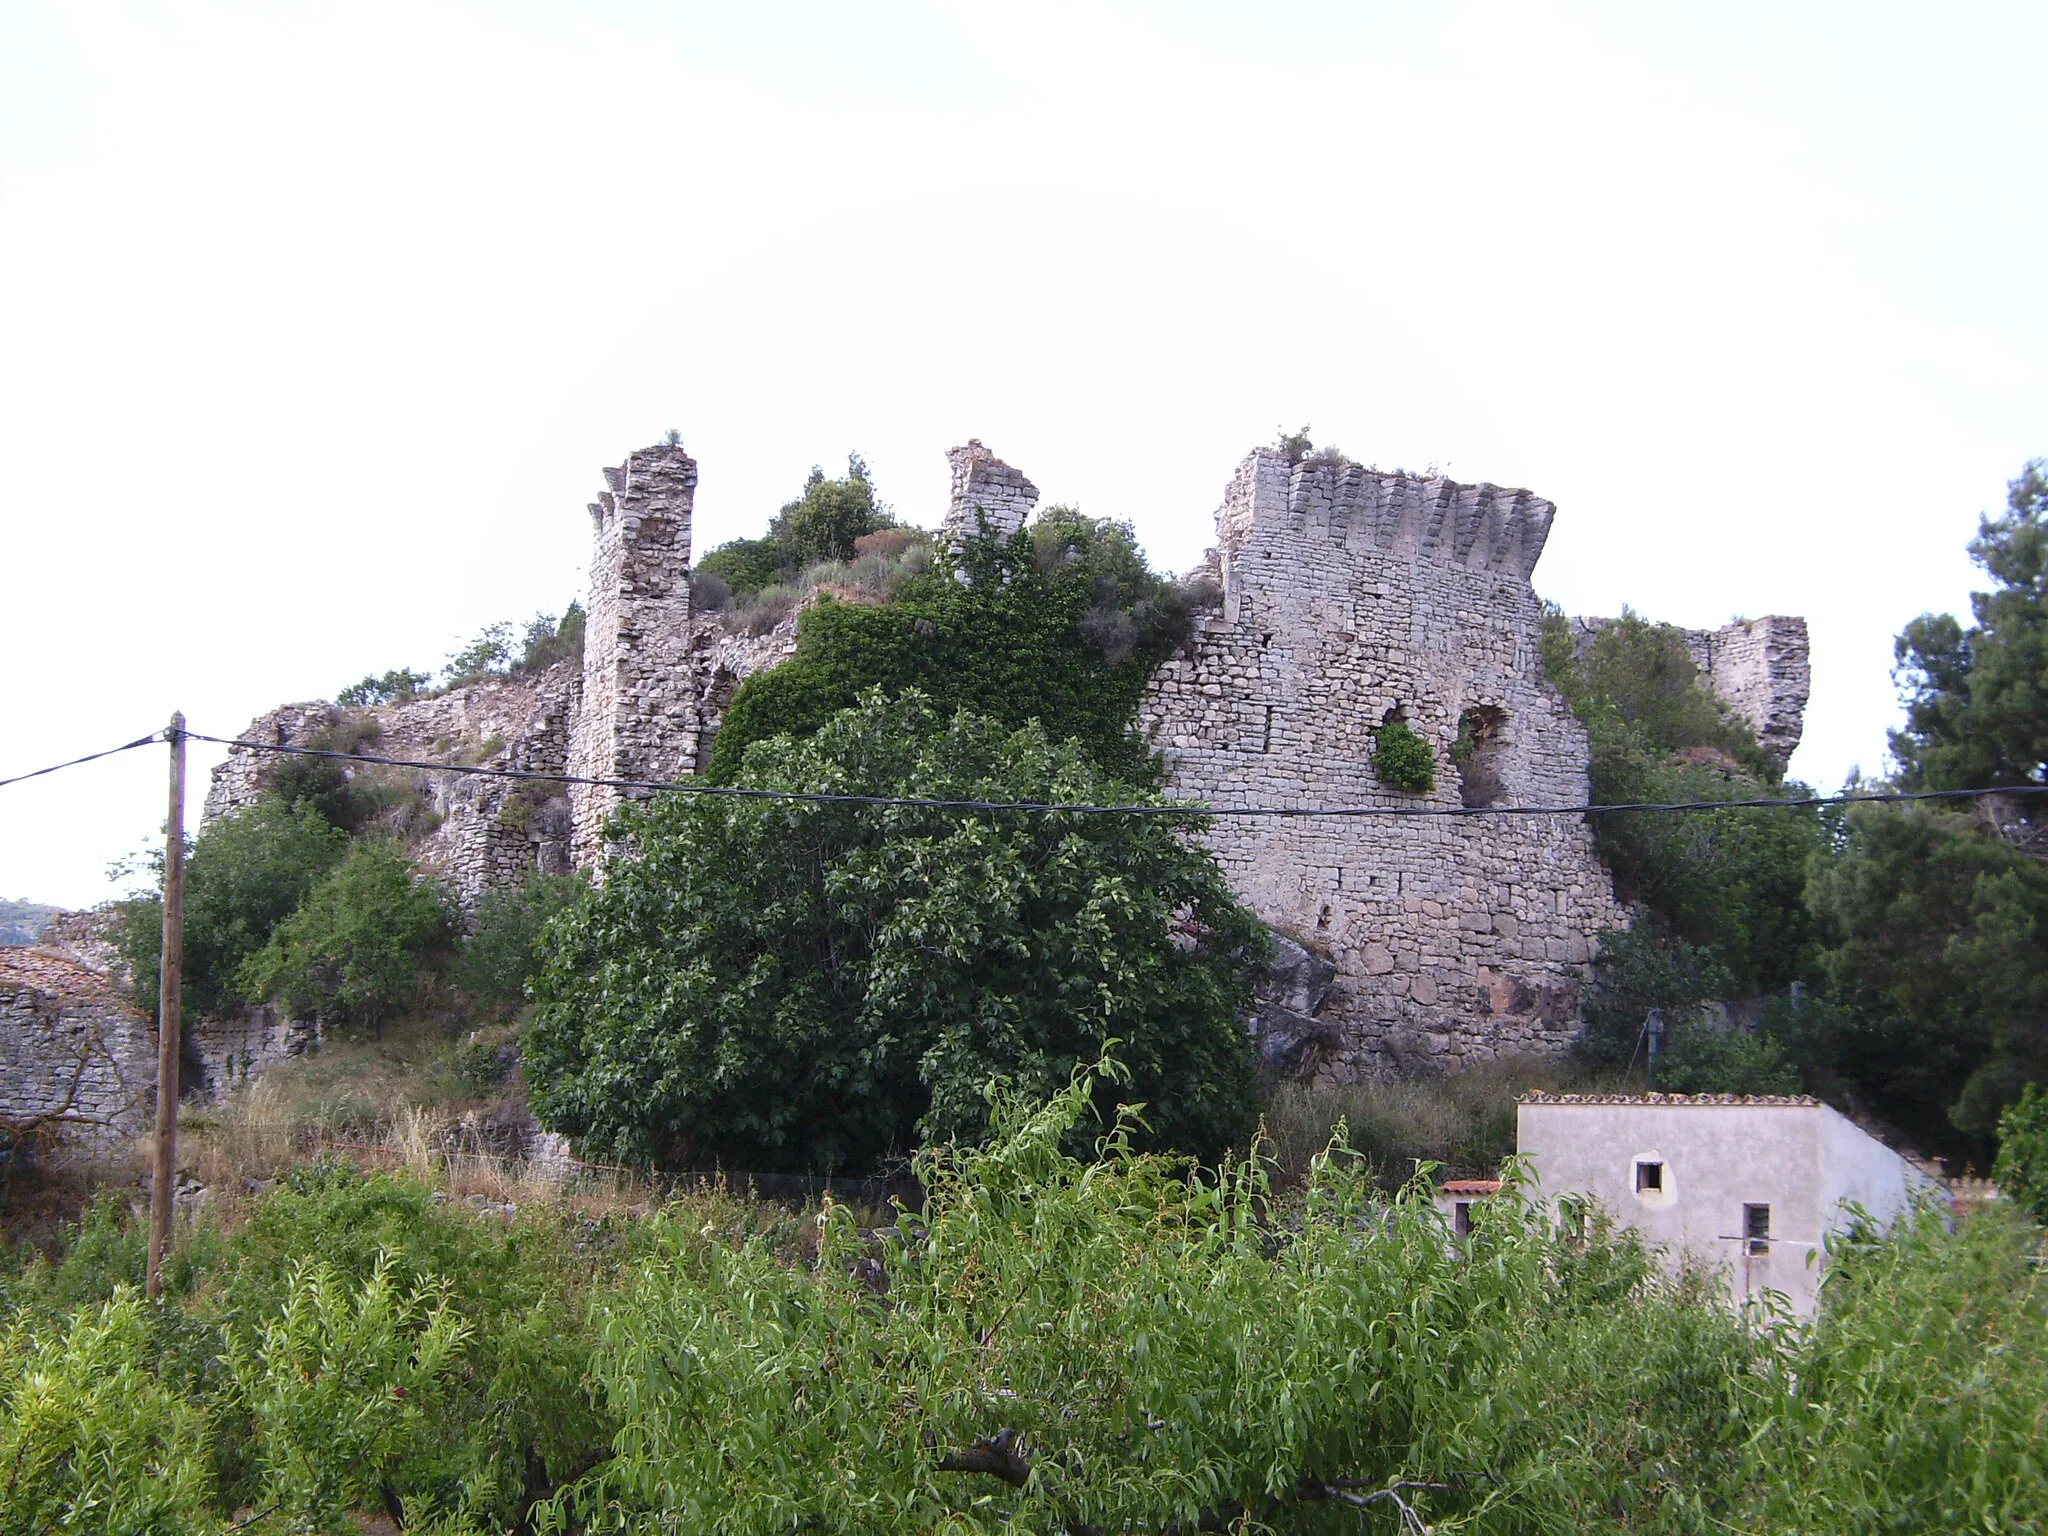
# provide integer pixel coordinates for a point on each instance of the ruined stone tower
(1352, 599)
(639, 709)
(988, 495)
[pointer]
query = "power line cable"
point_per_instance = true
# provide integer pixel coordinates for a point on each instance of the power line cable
(90, 757)
(736, 792)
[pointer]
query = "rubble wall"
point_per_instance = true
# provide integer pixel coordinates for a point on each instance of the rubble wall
(77, 1061)
(1352, 598)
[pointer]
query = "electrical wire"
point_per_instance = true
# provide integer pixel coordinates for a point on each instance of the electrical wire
(90, 757)
(736, 792)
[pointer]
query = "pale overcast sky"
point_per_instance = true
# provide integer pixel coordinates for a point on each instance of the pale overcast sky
(318, 321)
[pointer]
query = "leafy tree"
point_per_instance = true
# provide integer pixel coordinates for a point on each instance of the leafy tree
(824, 521)
(1726, 884)
(786, 985)
(1936, 920)
(1937, 946)
(548, 641)
(1023, 638)
(2022, 1166)
(246, 873)
(1977, 698)
(490, 654)
(503, 951)
(359, 946)
(400, 686)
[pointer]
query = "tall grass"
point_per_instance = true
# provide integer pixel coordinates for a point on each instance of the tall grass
(1462, 1120)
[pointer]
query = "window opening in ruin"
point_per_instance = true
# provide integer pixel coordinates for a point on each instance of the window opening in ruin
(1649, 1178)
(1479, 754)
(1756, 1230)
(1266, 743)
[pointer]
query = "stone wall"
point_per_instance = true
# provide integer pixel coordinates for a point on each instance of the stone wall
(77, 1062)
(640, 718)
(1350, 599)
(988, 496)
(483, 833)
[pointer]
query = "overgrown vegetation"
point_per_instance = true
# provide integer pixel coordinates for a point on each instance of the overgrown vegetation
(1402, 759)
(1051, 1344)
(1061, 624)
(825, 523)
(1717, 897)
(811, 987)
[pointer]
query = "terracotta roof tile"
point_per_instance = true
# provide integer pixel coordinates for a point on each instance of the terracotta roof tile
(1470, 1187)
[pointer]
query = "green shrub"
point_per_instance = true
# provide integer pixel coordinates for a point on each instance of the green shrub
(501, 955)
(360, 945)
(1031, 635)
(1402, 759)
(350, 1387)
(830, 517)
(2022, 1166)
(90, 1438)
(247, 873)
(400, 686)
(810, 987)
(745, 566)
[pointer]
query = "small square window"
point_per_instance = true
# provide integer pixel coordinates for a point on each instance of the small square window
(1649, 1178)
(1756, 1229)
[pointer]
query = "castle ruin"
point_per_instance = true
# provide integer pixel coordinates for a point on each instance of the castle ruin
(1349, 599)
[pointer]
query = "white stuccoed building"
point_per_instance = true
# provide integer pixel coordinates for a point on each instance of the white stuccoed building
(1749, 1185)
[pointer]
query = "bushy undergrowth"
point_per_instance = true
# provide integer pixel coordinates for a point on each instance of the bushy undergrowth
(1052, 1345)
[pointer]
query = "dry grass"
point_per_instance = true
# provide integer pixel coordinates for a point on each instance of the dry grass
(1463, 1120)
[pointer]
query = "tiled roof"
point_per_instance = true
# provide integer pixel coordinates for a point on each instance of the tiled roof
(54, 973)
(1470, 1187)
(1710, 1100)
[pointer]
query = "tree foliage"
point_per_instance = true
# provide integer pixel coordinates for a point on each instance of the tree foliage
(1937, 948)
(1977, 698)
(1061, 624)
(783, 985)
(2022, 1166)
(245, 874)
(1718, 896)
(504, 948)
(358, 947)
(823, 523)
(1936, 920)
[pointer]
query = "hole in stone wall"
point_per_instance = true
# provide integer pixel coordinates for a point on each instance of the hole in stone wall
(716, 699)
(1480, 754)
(1395, 715)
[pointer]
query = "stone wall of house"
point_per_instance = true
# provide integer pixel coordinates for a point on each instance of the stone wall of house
(77, 1061)
(1351, 599)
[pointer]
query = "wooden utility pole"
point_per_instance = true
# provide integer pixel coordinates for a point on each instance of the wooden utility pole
(169, 1024)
